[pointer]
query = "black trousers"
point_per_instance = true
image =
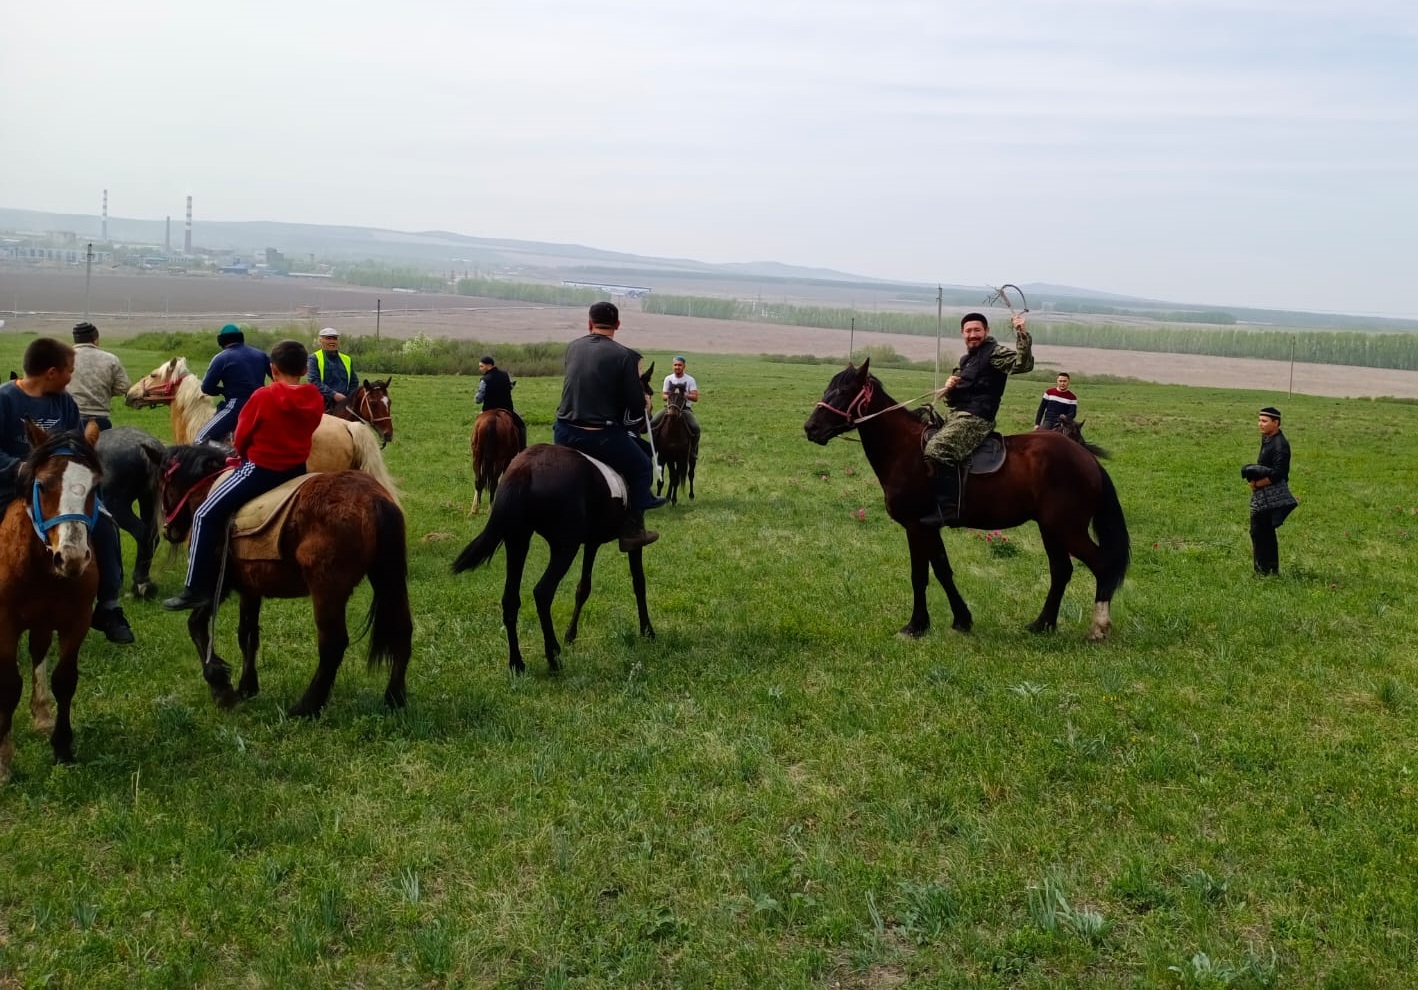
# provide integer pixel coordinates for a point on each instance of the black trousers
(1265, 549)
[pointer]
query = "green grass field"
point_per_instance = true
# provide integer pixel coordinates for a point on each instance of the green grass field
(778, 792)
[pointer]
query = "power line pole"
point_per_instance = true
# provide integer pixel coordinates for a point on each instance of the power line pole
(89, 268)
(939, 315)
(378, 308)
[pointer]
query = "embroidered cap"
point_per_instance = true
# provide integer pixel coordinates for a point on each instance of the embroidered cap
(1272, 412)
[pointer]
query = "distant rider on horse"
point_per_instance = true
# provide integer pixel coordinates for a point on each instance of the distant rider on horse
(602, 403)
(235, 373)
(495, 392)
(973, 392)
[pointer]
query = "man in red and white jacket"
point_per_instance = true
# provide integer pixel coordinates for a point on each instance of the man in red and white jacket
(1057, 401)
(273, 438)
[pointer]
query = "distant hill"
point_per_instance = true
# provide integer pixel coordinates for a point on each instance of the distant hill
(443, 250)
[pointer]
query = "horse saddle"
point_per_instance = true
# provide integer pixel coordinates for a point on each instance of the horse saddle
(613, 479)
(256, 527)
(987, 458)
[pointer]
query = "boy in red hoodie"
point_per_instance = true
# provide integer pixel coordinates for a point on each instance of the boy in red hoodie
(273, 437)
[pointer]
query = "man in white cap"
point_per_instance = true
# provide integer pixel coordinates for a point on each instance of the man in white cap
(330, 371)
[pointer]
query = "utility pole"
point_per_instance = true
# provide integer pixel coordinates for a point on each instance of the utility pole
(939, 309)
(89, 270)
(378, 308)
(1292, 366)
(851, 335)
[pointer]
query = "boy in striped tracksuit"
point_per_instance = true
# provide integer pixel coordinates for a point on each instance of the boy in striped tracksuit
(273, 438)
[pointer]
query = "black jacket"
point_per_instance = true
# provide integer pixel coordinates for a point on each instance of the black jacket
(1275, 455)
(497, 391)
(601, 387)
(981, 385)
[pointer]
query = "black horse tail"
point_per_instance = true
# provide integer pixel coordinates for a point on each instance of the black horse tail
(390, 624)
(1112, 532)
(507, 509)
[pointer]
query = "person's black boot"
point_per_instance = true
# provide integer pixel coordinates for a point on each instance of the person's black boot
(112, 623)
(633, 534)
(946, 482)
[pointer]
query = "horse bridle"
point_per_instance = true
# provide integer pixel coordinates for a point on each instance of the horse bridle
(367, 404)
(42, 526)
(862, 400)
(205, 479)
(167, 390)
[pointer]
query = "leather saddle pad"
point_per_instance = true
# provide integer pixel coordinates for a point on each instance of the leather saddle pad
(989, 456)
(613, 479)
(256, 527)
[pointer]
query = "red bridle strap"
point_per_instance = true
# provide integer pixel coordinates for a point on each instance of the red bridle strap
(850, 414)
(167, 390)
(167, 520)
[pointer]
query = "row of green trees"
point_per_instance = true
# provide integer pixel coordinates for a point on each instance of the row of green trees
(1360, 349)
(380, 276)
(552, 295)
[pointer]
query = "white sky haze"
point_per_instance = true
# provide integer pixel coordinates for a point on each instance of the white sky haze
(1233, 152)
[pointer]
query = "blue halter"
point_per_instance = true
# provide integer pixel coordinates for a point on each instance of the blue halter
(42, 526)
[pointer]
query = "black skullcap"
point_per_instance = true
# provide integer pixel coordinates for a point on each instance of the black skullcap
(85, 333)
(1272, 412)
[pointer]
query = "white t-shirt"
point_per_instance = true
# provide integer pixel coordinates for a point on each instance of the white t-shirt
(690, 385)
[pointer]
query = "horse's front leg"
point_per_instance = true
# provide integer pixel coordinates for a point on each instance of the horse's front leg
(920, 576)
(545, 592)
(248, 636)
(637, 581)
(64, 682)
(41, 701)
(693, 460)
(11, 685)
(583, 590)
(215, 671)
(940, 563)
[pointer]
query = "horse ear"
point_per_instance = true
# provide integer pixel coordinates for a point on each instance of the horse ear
(91, 432)
(34, 433)
(865, 369)
(387, 382)
(366, 384)
(154, 456)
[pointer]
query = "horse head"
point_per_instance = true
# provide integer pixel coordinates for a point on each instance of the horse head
(1073, 429)
(61, 477)
(185, 478)
(678, 398)
(843, 403)
(371, 403)
(159, 386)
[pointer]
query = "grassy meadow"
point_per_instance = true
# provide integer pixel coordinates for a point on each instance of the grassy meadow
(777, 791)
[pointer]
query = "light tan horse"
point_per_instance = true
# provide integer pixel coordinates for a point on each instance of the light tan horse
(338, 444)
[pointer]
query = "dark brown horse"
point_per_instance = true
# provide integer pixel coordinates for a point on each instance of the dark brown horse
(555, 493)
(1046, 477)
(48, 578)
(341, 527)
(370, 404)
(1073, 429)
(674, 445)
(496, 440)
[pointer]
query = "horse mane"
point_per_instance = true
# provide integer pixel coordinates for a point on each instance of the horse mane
(71, 443)
(190, 406)
(187, 464)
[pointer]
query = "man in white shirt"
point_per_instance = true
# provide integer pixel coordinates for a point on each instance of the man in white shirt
(677, 378)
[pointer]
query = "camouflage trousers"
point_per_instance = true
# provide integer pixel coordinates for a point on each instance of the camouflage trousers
(960, 435)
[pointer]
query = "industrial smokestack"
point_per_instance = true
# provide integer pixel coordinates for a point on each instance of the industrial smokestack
(167, 239)
(105, 216)
(187, 238)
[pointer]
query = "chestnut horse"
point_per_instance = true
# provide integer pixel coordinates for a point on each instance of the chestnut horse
(1045, 477)
(559, 495)
(341, 527)
(674, 445)
(371, 406)
(48, 578)
(496, 440)
(338, 444)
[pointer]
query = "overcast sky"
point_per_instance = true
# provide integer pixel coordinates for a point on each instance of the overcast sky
(1242, 152)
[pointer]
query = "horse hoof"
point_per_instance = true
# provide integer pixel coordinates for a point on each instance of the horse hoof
(64, 757)
(647, 632)
(1097, 635)
(962, 627)
(393, 699)
(302, 709)
(912, 632)
(1038, 626)
(145, 590)
(517, 667)
(248, 691)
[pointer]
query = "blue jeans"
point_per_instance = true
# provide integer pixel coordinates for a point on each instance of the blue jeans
(108, 554)
(616, 447)
(210, 522)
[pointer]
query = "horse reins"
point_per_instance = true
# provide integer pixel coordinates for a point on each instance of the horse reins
(167, 476)
(865, 396)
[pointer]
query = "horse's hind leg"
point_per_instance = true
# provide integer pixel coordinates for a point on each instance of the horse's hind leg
(516, 546)
(248, 636)
(545, 592)
(1060, 573)
(1079, 544)
(10, 688)
(137, 528)
(333, 638)
(583, 589)
(41, 701)
(637, 581)
(693, 461)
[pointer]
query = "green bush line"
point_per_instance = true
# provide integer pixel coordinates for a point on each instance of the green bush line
(555, 295)
(417, 355)
(390, 277)
(1365, 350)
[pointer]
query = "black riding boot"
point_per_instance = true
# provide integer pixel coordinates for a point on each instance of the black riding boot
(946, 483)
(633, 534)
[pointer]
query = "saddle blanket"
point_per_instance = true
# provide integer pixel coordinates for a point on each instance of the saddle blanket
(987, 458)
(256, 527)
(613, 479)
